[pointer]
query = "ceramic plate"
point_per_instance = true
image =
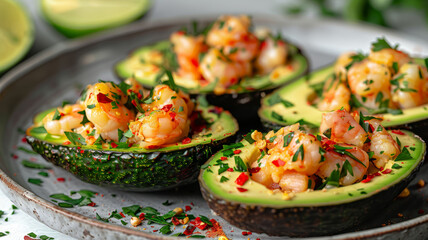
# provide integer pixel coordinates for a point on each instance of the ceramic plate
(60, 73)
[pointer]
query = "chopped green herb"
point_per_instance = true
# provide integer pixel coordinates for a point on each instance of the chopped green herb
(35, 181)
(132, 210)
(395, 67)
(167, 203)
(30, 164)
(123, 222)
(277, 116)
(91, 106)
(65, 205)
(240, 166)
(404, 155)
(272, 139)
(44, 174)
(26, 150)
(327, 133)
(248, 138)
(39, 130)
(75, 138)
(100, 218)
(380, 44)
(288, 138)
(224, 179)
(396, 166)
(56, 116)
(299, 151)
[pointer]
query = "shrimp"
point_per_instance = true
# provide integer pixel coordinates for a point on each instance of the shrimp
(335, 161)
(367, 78)
(232, 36)
(68, 119)
(216, 67)
(388, 57)
(335, 96)
(105, 109)
(298, 155)
(165, 119)
(411, 86)
(383, 146)
(273, 53)
(342, 62)
(187, 49)
(343, 128)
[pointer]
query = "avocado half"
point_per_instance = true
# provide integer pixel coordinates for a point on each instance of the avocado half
(274, 114)
(241, 99)
(310, 213)
(137, 168)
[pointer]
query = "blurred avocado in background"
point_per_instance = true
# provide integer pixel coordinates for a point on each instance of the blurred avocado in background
(379, 12)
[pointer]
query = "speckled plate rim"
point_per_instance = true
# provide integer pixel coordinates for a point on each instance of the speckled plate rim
(34, 205)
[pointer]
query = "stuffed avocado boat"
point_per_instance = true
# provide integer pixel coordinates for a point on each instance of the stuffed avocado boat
(296, 184)
(226, 58)
(119, 135)
(387, 82)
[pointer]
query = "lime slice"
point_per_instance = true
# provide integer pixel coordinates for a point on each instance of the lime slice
(75, 18)
(16, 33)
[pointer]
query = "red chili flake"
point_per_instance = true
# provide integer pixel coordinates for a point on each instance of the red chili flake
(257, 238)
(237, 151)
(278, 162)
(387, 171)
(181, 32)
(24, 140)
(187, 208)
(29, 238)
(290, 67)
(172, 115)
(254, 170)
(14, 156)
(223, 158)
(130, 145)
(242, 189)
(397, 131)
(216, 110)
(67, 143)
(191, 203)
(186, 140)
(60, 179)
(134, 102)
(152, 147)
(121, 214)
(92, 204)
(155, 230)
(175, 221)
(194, 62)
(242, 179)
(82, 151)
(421, 211)
(263, 45)
(406, 146)
(101, 98)
(139, 96)
(366, 180)
(113, 144)
(199, 224)
(377, 174)
(189, 230)
(246, 233)
(142, 216)
(381, 169)
(230, 170)
(167, 107)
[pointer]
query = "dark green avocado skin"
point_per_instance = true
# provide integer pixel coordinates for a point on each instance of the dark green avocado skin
(304, 221)
(144, 172)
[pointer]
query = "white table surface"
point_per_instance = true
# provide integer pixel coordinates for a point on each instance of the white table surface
(19, 224)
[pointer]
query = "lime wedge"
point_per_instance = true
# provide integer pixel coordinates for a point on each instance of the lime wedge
(16, 33)
(75, 18)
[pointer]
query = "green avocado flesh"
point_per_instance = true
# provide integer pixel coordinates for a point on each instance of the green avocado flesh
(259, 195)
(136, 66)
(137, 168)
(299, 94)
